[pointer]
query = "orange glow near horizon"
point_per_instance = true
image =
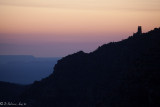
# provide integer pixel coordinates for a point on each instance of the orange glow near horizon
(43, 21)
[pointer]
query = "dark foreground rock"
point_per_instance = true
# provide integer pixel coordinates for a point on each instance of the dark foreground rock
(118, 74)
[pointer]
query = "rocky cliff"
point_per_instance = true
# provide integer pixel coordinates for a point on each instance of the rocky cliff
(117, 74)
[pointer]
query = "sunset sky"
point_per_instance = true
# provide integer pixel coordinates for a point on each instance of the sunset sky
(56, 28)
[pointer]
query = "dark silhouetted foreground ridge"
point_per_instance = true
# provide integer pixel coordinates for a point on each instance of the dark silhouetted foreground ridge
(117, 74)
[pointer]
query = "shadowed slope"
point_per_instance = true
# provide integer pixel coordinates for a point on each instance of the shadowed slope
(118, 74)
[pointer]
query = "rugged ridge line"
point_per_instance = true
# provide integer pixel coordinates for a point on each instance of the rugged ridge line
(118, 74)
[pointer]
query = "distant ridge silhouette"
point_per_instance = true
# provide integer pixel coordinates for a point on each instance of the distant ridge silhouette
(117, 74)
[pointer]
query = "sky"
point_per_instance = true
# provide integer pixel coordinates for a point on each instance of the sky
(56, 28)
